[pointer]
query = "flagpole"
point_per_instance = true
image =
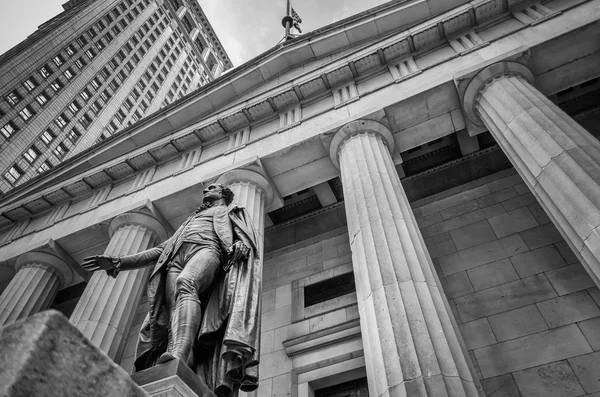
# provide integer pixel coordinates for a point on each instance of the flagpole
(287, 20)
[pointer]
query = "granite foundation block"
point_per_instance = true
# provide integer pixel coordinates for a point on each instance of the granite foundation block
(504, 297)
(531, 351)
(45, 355)
(554, 379)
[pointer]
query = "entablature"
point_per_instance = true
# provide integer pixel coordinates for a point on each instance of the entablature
(205, 147)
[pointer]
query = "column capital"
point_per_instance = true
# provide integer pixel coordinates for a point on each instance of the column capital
(141, 219)
(358, 127)
(47, 260)
(484, 77)
(244, 175)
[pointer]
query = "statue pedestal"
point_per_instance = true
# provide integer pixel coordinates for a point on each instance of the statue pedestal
(172, 378)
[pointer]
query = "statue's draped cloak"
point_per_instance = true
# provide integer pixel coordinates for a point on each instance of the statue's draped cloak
(227, 348)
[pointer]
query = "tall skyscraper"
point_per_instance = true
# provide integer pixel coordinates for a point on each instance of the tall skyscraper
(93, 69)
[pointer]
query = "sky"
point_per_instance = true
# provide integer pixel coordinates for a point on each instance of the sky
(245, 27)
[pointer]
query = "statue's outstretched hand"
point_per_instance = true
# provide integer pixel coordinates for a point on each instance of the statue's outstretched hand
(237, 252)
(102, 262)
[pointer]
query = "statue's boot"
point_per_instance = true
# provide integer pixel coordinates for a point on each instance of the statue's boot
(188, 315)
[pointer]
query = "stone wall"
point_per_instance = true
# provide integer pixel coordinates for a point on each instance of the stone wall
(527, 310)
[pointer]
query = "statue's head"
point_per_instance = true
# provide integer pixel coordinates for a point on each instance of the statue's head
(216, 191)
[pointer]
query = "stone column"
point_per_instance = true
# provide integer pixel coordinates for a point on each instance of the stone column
(556, 157)
(411, 343)
(106, 309)
(40, 275)
(252, 191)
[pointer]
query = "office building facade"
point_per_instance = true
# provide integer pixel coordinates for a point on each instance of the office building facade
(94, 69)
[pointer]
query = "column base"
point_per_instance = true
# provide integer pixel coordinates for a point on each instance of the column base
(173, 378)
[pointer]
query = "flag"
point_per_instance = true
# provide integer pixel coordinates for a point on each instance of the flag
(297, 20)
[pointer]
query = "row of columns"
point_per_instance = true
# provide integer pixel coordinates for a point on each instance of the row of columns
(412, 344)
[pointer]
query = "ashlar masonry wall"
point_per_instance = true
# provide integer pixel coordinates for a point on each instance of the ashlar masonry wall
(527, 310)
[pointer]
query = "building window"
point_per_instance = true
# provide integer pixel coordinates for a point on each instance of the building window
(31, 154)
(95, 84)
(121, 116)
(91, 32)
(45, 71)
(45, 166)
(74, 107)
(58, 60)
(68, 74)
(42, 98)
(56, 85)
(99, 45)
(82, 41)
(111, 128)
(8, 129)
(96, 107)
(90, 53)
(30, 84)
(26, 113)
(74, 136)
(61, 121)
(13, 174)
(60, 151)
(70, 50)
(13, 98)
(80, 63)
(85, 120)
(47, 137)
(85, 95)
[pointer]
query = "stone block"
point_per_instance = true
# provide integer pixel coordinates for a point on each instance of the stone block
(595, 294)
(440, 245)
(268, 301)
(45, 355)
(531, 351)
(500, 386)
(265, 388)
(173, 378)
(569, 279)
(568, 309)
(458, 210)
(492, 274)
(431, 219)
(550, 380)
(465, 219)
(477, 334)
(566, 252)
(456, 285)
(504, 297)
(455, 200)
(283, 385)
(482, 254)
(327, 320)
(472, 235)
(516, 323)
(276, 318)
(586, 369)
(274, 364)
(496, 197)
(505, 182)
(513, 222)
(537, 261)
(541, 235)
(539, 214)
(590, 331)
(283, 296)
(522, 188)
(518, 202)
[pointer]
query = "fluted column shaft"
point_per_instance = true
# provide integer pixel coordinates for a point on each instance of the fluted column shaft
(411, 345)
(39, 277)
(107, 307)
(557, 158)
